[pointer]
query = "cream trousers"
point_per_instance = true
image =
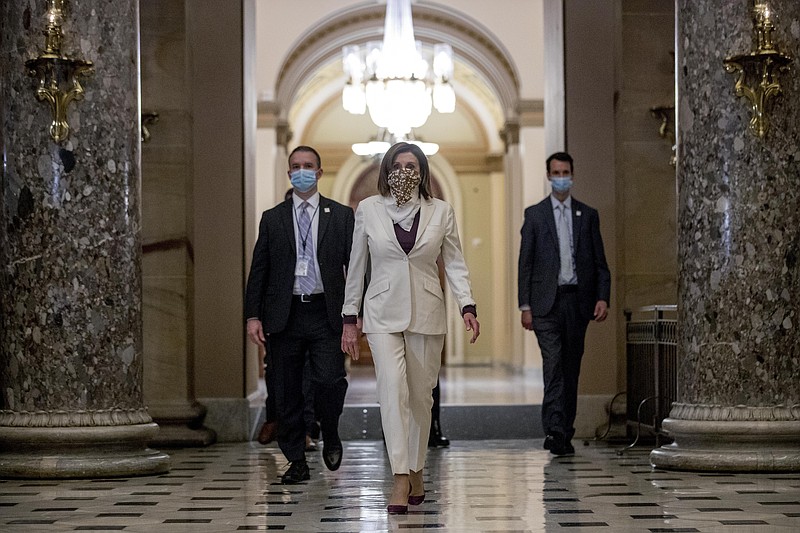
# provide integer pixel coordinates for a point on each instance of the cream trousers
(406, 365)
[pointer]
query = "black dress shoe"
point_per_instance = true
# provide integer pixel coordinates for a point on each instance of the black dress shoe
(558, 444)
(435, 438)
(332, 454)
(548, 442)
(570, 449)
(297, 473)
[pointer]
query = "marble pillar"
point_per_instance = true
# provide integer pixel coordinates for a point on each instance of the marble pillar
(738, 405)
(70, 253)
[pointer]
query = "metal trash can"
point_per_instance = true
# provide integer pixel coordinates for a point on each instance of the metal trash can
(652, 366)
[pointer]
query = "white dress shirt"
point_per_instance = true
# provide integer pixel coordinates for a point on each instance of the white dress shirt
(313, 212)
(567, 205)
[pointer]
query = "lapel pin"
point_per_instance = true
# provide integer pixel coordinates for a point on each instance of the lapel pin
(327, 209)
(577, 213)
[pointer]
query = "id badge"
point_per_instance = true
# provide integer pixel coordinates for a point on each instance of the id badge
(301, 267)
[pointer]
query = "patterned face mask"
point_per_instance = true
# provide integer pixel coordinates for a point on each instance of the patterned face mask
(403, 182)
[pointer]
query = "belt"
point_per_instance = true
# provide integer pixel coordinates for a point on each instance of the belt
(306, 298)
(565, 289)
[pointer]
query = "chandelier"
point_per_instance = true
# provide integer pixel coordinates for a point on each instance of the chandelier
(394, 80)
(381, 143)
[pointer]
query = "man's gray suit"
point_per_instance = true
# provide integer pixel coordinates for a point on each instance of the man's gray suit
(561, 314)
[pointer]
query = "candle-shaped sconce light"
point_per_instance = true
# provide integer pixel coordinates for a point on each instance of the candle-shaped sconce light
(757, 71)
(666, 130)
(57, 74)
(148, 119)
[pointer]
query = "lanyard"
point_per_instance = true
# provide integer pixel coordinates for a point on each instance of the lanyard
(304, 238)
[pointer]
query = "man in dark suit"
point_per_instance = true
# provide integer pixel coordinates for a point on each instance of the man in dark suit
(564, 283)
(293, 305)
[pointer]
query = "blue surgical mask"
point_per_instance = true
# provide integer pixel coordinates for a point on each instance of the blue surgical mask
(561, 183)
(303, 179)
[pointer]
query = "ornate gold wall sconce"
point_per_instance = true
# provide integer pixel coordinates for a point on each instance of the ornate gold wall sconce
(666, 114)
(760, 68)
(57, 74)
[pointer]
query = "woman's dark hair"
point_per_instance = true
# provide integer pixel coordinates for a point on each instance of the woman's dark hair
(388, 162)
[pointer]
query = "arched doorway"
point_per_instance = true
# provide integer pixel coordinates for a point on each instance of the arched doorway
(484, 171)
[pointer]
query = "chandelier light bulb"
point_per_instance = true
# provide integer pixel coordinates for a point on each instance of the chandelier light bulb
(428, 149)
(372, 51)
(443, 61)
(385, 139)
(371, 148)
(353, 99)
(444, 97)
(352, 63)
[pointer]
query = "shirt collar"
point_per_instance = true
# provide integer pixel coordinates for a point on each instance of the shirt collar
(313, 201)
(556, 204)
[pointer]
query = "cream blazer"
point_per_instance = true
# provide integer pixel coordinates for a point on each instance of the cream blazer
(404, 293)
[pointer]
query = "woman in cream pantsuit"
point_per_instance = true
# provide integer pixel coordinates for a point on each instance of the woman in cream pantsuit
(402, 231)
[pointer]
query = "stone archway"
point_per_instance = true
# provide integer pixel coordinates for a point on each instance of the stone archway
(317, 51)
(475, 46)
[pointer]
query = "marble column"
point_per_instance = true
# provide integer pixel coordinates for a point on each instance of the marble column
(70, 253)
(738, 405)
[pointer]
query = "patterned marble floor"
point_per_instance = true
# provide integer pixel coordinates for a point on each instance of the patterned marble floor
(473, 486)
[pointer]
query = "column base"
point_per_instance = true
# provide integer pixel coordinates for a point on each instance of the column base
(730, 446)
(180, 425)
(181, 436)
(80, 452)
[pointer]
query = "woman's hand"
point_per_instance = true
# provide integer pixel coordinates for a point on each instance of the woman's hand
(472, 325)
(350, 340)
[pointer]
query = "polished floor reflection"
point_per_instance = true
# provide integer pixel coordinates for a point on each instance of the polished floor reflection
(460, 385)
(473, 486)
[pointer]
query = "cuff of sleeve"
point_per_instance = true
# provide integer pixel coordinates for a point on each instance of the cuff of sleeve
(524, 307)
(349, 319)
(470, 309)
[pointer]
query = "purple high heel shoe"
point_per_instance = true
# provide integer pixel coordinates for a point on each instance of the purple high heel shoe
(416, 500)
(397, 509)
